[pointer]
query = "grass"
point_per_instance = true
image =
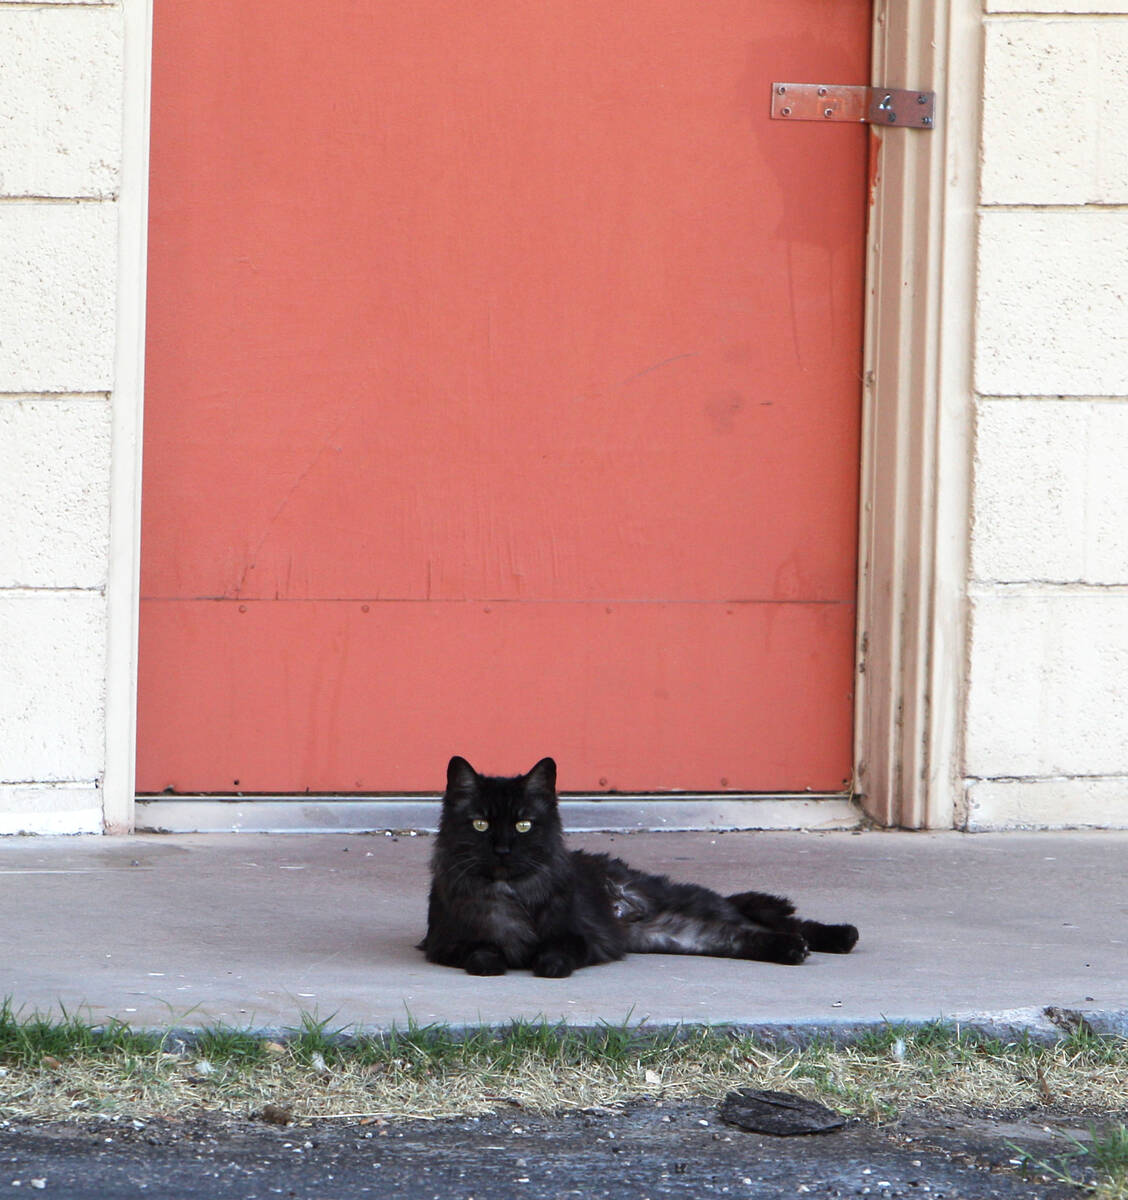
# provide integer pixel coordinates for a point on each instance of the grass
(66, 1067)
(1098, 1166)
(53, 1068)
(24, 1043)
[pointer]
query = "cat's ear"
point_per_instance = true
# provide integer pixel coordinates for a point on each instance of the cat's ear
(461, 777)
(541, 780)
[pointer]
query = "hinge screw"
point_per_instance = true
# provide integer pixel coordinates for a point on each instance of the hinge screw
(785, 112)
(781, 90)
(828, 112)
(926, 120)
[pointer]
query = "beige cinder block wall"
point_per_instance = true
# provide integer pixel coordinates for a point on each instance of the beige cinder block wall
(1046, 739)
(60, 156)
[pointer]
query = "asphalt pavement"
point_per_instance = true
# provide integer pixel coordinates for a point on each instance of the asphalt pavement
(647, 1152)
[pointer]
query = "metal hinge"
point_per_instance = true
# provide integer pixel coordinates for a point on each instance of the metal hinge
(850, 102)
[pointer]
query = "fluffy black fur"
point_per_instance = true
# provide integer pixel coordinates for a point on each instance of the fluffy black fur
(512, 895)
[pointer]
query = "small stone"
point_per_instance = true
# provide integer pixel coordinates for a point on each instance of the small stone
(780, 1113)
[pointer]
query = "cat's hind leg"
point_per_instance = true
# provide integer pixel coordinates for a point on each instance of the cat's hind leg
(775, 912)
(662, 917)
(762, 908)
(678, 933)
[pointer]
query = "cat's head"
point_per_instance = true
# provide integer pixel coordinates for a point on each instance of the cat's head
(501, 828)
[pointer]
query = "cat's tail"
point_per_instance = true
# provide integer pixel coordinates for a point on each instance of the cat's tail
(829, 939)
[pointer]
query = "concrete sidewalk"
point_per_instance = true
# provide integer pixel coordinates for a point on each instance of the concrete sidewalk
(253, 930)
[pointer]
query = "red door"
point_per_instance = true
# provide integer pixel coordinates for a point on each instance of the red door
(503, 395)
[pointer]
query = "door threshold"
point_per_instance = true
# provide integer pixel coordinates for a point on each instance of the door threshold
(420, 814)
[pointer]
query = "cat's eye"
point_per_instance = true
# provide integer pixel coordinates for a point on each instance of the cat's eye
(480, 825)
(524, 826)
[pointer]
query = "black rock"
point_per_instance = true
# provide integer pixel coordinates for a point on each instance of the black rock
(779, 1113)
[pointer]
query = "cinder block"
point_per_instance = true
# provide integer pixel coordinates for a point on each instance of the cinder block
(50, 809)
(1053, 122)
(61, 83)
(1047, 804)
(52, 686)
(54, 493)
(57, 305)
(1048, 691)
(1050, 497)
(1052, 316)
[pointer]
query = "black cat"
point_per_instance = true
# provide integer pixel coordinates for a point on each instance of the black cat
(506, 892)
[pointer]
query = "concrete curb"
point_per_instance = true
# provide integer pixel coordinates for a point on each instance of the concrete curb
(1043, 1026)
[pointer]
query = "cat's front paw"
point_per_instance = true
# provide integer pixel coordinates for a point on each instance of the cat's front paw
(485, 961)
(553, 964)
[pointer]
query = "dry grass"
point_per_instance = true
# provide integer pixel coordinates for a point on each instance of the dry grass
(1098, 1166)
(431, 1073)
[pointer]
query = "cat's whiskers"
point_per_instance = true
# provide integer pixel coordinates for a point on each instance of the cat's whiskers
(459, 875)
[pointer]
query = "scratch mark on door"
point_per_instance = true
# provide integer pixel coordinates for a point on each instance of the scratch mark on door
(237, 591)
(655, 367)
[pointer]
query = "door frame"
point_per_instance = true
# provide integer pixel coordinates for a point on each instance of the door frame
(123, 578)
(915, 496)
(916, 423)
